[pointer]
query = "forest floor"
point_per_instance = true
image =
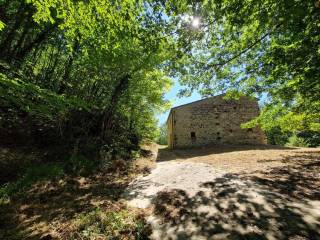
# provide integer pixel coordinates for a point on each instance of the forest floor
(239, 192)
(46, 204)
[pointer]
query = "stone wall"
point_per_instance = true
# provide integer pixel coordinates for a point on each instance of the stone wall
(170, 131)
(214, 121)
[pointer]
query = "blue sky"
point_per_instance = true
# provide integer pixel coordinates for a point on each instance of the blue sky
(176, 101)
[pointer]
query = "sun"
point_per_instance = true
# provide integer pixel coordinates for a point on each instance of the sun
(195, 22)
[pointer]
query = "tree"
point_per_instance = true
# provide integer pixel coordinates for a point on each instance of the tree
(268, 49)
(92, 69)
(162, 140)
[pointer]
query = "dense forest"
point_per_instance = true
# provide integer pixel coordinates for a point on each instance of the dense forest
(80, 73)
(95, 72)
(81, 81)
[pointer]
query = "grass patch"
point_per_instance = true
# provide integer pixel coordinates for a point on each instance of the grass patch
(99, 224)
(75, 198)
(76, 165)
(80, 165)
(295, 141)
(33, 174)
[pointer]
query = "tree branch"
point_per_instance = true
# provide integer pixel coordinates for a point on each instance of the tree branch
(243, 51)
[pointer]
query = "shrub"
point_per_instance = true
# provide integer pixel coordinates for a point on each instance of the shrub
(109, 224)
(295, 141)
(162, 139)
(276, 137)
(311, 137)
(79, 164)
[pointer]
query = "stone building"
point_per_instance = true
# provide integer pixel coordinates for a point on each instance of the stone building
(213, 120)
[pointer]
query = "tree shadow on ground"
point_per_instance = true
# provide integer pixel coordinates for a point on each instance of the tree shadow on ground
(299, 178)
(283, 203)
(52, 204)
(166, 154)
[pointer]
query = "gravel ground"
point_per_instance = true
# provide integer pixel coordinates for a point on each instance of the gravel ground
(168, 176)
(232, 193)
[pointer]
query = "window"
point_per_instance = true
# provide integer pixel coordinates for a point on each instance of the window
(193, 136)
(250, 130)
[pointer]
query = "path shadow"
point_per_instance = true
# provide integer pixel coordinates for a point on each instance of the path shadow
(283, 203)
(166, 154)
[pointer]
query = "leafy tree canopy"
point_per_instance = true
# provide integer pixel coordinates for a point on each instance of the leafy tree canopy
(262, 48)
(112, 59)
(116, 59)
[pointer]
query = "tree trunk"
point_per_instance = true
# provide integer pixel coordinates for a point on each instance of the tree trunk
(6, 43)
(36, 41)
(52, 67)
(68, 68)
(26, 26)
(120, 88)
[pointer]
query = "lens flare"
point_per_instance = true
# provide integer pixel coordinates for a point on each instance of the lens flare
(195, 22)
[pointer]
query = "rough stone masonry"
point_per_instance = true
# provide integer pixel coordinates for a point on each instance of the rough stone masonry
(214, 120)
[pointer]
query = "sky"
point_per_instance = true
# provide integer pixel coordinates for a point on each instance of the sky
(176, 101)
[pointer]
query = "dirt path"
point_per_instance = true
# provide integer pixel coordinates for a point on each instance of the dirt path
(206, 194)
(171, 175)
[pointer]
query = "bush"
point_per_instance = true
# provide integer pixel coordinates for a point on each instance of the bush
(295, 141)
(162, 139)
(301, 139)
(311, 137)
(110, 224)
(276, 137)
(79, 164)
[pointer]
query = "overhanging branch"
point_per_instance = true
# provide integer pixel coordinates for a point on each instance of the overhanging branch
(221, 64)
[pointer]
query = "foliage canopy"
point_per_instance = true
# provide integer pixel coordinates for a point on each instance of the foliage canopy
(99, 66)
(112, 61)
(269, 49)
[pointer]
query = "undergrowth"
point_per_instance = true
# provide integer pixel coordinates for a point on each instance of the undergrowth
(75, 165)
(83, 195)
(32, 174)
(99, 224)
(296, 141)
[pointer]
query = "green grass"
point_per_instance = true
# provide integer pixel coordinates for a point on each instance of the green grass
(114, 221)
(295, 141)
(109, 224)
(31, 175)
(77, 165)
